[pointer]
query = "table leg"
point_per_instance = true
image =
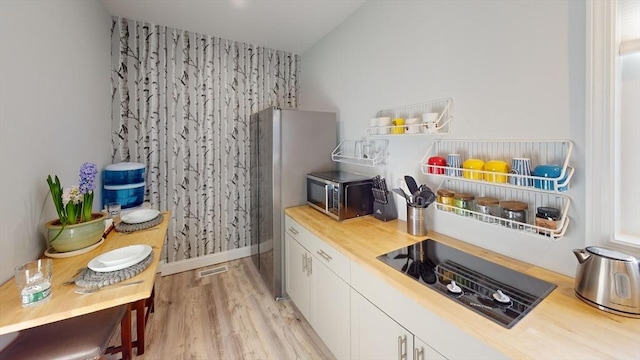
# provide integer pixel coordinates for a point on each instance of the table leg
(140, 325)
(125, 334)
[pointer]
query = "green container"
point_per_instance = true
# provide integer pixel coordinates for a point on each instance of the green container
(77, 236)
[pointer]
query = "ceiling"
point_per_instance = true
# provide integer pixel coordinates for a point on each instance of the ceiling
(290, 25)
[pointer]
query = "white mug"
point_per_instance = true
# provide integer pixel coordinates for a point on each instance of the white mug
(384, 123)
(430, 122)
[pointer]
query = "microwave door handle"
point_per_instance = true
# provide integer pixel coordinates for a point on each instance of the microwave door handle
(326, 197)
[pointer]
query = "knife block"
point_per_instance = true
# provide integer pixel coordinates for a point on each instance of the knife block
(385, 212)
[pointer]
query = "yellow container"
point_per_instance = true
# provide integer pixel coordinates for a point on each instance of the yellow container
(398, 126)
(496, 166)
(473, 168)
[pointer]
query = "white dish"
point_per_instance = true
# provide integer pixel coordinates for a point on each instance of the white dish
(140, 216)
(133, 254)
(121, 255)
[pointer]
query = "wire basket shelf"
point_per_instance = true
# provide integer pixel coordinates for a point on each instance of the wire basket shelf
(532, 199)
(443, 107)
(556, 152)
(370, 152)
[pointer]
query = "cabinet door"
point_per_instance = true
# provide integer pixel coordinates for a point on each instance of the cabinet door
(422, 351)
(374, 335)
(297, 279)
(330, 308)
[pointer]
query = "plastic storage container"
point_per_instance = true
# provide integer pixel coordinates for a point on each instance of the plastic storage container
(127, 196)
(124, 173)
(123, 183)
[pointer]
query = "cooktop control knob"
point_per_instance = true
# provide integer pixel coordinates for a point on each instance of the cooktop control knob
(454, 288)
(500, 297)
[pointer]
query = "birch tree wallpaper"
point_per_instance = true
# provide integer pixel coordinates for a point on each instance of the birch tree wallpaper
(181, 103)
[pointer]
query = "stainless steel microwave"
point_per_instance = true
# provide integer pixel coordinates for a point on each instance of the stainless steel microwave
(339, 194)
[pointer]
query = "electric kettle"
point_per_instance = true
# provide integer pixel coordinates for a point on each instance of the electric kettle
(608, 280)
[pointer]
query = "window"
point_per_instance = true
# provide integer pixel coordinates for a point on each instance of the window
(613, 124)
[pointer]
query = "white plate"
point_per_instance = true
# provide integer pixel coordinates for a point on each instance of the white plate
(140, 216)
(131, 254)
(121, 255)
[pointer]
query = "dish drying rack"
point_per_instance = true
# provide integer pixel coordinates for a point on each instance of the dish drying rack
(539, 151)
(370, 152)
(444, 107)
(532, 199)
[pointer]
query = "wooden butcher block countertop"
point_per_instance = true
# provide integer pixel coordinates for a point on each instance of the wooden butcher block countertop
(561, 326)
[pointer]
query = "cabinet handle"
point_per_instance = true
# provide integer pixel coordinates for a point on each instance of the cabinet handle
(293, 230)
(418, 354)
(304, 262)
(324, 255)
(402, 341)
(309, 265)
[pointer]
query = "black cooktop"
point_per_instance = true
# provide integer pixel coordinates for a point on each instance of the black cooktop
(494, 291)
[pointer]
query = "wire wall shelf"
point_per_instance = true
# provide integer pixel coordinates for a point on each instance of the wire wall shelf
(371, 152)
(539, 152)
(532, 199)
(443, 108)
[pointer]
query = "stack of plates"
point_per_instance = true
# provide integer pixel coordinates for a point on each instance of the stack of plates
(119, 259)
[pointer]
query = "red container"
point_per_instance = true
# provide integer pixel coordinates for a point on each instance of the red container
(437, 161)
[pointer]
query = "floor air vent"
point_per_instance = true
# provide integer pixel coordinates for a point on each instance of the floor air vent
(213, 271)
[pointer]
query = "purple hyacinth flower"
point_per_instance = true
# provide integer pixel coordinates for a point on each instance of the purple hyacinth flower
(88, 173)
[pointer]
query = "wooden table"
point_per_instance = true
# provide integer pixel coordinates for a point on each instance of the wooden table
(65, 303)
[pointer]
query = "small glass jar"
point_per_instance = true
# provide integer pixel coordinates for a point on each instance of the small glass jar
(463, 201)
(547, 217)
(514, 212)
(445, 197)
(487, 206)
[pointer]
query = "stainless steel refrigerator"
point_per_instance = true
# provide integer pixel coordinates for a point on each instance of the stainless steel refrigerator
(286, 145)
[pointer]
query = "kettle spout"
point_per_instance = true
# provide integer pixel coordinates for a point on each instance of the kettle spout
(581, 255)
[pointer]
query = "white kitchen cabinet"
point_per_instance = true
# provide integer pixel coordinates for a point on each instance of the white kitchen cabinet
(296, 274)
(374, 335)
(443, 337)
(313, 284)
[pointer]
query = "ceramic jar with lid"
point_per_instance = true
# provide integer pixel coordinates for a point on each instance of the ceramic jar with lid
(514, 212)
(463, 201)
(445, 197)
(547, 217)
(487, 206)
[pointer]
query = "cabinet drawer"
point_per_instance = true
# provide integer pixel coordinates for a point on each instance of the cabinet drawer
(299, 232)
(323, 252)
(332, 258)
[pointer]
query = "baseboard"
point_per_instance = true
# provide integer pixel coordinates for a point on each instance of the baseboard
(202, 261)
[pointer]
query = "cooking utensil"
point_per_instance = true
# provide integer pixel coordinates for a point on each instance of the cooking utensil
(411, 184)
(95, 290)
(401, 193)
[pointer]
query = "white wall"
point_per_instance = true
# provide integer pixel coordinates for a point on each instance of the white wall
(514, 69)
(54, 112)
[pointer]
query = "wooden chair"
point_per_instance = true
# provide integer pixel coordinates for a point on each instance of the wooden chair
(82, 337)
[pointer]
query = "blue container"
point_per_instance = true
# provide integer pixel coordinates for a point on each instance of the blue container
(127, 196)
(124, 173)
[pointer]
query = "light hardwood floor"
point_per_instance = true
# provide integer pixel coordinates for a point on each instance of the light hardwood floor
(230, 315)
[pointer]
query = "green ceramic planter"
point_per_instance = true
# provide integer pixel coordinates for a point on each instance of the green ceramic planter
(78, 236)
